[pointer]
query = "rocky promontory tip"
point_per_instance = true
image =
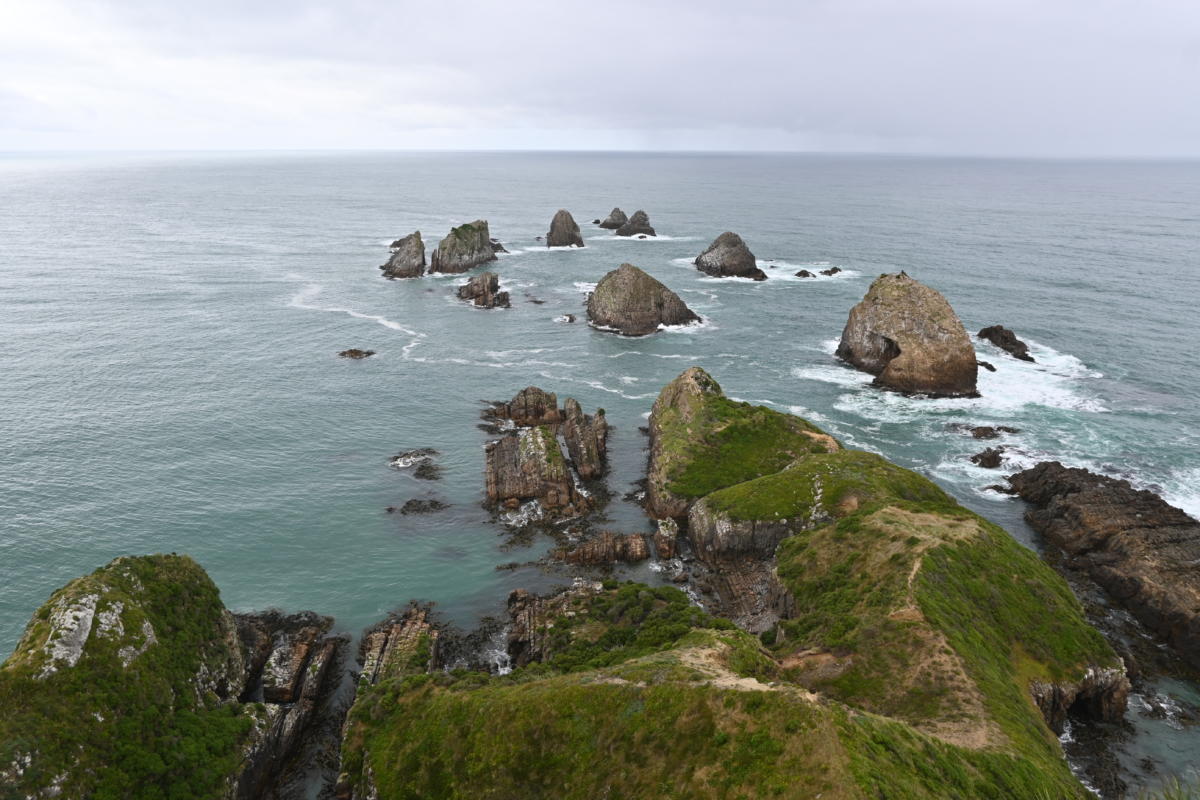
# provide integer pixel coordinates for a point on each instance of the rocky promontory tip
(907, 336)
(614, 220)
(408, 258)
(465, 248)
(638, 224)
(1139, 548)
(729, 257)
(631, 302)
(484, 291)
(1007, 341)
(564, 232)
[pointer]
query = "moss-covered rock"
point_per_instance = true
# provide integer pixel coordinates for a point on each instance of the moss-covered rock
(630, 302)
(464, 248)
(120, 688)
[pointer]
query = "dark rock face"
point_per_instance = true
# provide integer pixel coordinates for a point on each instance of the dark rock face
(638, 224)
(291, 664)
(408, 258)
(1007, 341)
(497, 247)
(529, 465)
(831, 271)
(990, 458)
(530, 406)
(355, 353)
(586, 439)
(1139, 548)
(729, 257)
(666, 538)
(989, 366)
(908, 337)
(484, 291)
(1102, 695)
(805, 274)
(563, 231)
(635, 304)
(614, 220)
(419, 505)
(990, 432)
(465, 248)
(608, 548)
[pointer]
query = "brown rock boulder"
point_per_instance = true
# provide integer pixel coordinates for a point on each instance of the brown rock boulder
(631, 302)
(614, 220)
(729, 257)
(637, 225)
(484, 292)
(910, 339)
(563, 231)
(608, 548)
(408, 258)
(586, 439)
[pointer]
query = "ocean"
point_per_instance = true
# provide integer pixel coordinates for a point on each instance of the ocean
(169, 378)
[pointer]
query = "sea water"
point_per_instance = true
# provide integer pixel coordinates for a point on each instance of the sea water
(169, 379)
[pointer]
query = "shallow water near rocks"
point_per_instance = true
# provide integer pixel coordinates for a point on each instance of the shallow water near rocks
(170, 378)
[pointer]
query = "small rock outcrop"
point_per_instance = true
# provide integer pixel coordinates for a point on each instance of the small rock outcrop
(564, 232)
(402, 643)
(1140, 549)
(631, 302)
(408, 258)
(607, 547)
(356, 354)
(805, 274)
(991, 458)
(465, 248)
(484, 292)
(529, 407)
(1007, 341)
(1102, 694)
(637, 225)
(910, 339)
(614, 220)
(531, 620)
(729, 257)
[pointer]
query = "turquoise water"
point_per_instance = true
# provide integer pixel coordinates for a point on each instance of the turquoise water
(170, 324)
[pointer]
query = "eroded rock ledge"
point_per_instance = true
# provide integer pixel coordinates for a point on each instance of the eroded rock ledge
(1142, 550)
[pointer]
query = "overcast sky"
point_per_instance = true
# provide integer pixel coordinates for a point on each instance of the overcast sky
(1006, 77)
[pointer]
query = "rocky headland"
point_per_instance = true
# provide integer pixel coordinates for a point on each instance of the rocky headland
(1143, 551)
(630, 302)
(907, 336)
(564, 232)
(464, 248)
(729, 257)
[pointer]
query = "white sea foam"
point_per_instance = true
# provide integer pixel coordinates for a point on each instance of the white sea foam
(583, 287)
(1182, 490)
(705, 324)
(302, 299)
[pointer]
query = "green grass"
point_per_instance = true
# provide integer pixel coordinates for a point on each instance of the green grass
(128, 732)
(730, 443)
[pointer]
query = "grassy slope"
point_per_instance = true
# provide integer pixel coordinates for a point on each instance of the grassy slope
(127, 732)
(623, 709)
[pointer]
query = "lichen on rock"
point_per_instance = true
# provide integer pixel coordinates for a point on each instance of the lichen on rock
(631, 302)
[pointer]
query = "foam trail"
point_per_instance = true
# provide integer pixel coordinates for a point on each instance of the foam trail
(301, 300)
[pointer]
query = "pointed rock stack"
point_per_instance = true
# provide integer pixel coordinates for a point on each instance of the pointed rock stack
(465, 248)
(638, 224)
(408, 258)
(563, 231)
(635, 304)
(729, 257)
(910, 339)
(614, 220)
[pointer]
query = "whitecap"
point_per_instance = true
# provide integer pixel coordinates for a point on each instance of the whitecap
(584, 287)
(303, 297)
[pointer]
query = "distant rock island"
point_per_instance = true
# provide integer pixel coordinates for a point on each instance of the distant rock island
(614, 220)
(638, 224)
(631, 302)
(408, 258)
(465, 248)
(729, 257)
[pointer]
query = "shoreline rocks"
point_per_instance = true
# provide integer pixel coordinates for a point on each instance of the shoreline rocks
(614, 220)
(636, 225)
(606, 548)
(564, 232)
(907, 336)
(1140, 549)
(483, 291)
(408, 258)
(464, 248)
(729, 257)
(1007, 341)
(635, 304)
